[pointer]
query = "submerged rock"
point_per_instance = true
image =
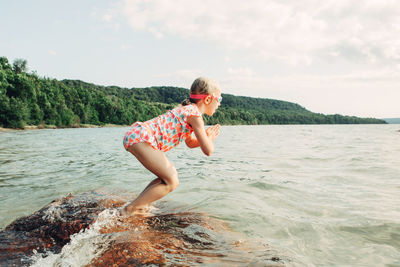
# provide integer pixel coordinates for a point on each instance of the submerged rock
(85, 230)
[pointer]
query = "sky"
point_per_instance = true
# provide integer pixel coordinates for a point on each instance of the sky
(331, 56)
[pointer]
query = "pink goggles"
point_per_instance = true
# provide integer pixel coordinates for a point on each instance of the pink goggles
(193, 96)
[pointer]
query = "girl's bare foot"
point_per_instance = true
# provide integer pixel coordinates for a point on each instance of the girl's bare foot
(126, 211)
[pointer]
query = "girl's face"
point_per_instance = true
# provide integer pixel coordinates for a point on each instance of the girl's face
(213, 103)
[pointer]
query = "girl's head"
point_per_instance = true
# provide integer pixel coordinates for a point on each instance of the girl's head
(204, 86)
(206, 92)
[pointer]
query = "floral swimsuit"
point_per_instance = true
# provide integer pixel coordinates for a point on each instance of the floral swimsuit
(165, 131)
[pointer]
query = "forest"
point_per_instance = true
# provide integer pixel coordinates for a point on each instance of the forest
(28, 99)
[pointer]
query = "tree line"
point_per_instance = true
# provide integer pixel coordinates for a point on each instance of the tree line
(27, 99)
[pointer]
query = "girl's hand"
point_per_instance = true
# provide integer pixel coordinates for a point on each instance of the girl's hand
(213, 131)
(204, 137)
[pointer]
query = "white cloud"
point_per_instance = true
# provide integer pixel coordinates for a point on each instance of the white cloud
(241, 72)
(289, 31)
(125, 47)
(52, 53)
(360, 93)
(107, 17)
(188, 74)
(182, 77)
(329, 56)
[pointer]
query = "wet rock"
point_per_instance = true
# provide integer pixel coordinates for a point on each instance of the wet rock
(165, 238)
(50, 228)
(179, 238)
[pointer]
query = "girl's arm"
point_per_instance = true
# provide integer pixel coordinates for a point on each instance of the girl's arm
(204, 138)
(192, 142)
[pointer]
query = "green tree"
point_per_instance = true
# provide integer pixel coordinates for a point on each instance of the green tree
(20, 65)
(26, 98)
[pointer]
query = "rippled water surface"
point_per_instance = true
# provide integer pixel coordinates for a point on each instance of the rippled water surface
(318, 195)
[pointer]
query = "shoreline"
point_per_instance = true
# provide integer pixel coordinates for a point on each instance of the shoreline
(53, 127)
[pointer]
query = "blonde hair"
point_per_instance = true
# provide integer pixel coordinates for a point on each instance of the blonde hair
(201, 86)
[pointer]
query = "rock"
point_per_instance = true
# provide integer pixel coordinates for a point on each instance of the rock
(50, 228)
(86, 228)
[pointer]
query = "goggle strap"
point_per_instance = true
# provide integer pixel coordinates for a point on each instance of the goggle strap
(192, 96)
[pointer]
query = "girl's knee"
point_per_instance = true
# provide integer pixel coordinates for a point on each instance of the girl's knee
(174, 185)
(172, 181)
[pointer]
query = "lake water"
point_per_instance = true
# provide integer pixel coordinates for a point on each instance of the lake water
(318, 195)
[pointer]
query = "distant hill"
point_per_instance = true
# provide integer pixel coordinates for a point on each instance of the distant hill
(392, 120)
(27, 99)
(233, 110)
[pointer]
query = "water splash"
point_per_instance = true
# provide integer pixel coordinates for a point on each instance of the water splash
(86, 230)
(83, 247)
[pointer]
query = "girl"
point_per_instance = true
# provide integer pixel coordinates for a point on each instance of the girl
(148, 141)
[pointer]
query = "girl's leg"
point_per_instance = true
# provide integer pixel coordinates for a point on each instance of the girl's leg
(155, 181)
(156, 162)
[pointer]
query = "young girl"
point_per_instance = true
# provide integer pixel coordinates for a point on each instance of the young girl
(148, 141)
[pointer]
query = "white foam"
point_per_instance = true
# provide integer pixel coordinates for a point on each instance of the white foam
(83, 247)
(53, 213)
